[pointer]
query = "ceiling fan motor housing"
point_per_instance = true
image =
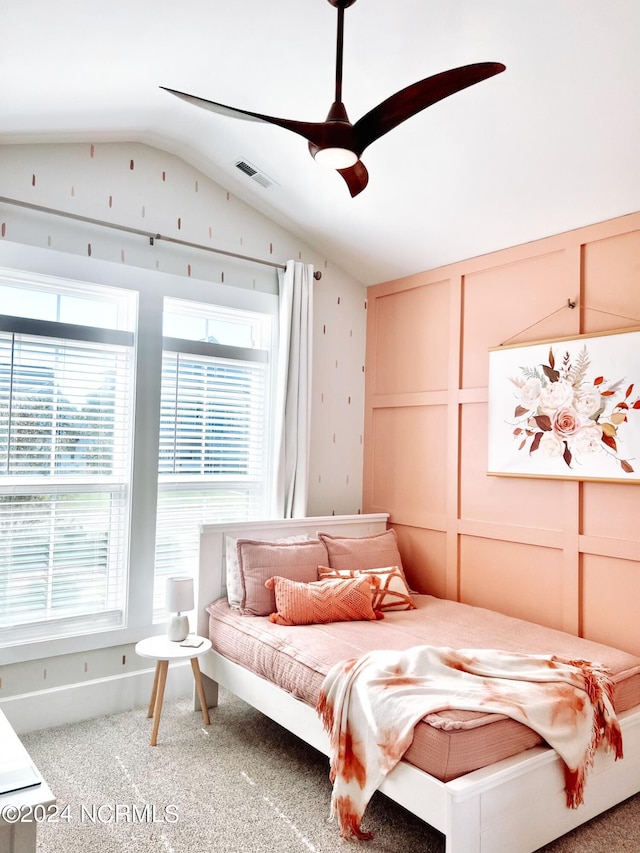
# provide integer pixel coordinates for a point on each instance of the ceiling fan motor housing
(336, 135)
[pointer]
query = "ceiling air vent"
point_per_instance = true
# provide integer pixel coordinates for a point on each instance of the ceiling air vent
(255, 174)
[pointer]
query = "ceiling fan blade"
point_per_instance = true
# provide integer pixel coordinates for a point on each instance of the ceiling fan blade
(407, 102)
(311, 131)
(356, 177)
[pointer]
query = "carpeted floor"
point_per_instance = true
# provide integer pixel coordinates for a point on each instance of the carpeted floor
(242, 785)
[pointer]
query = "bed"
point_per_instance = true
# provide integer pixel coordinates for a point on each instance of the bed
(488, 784)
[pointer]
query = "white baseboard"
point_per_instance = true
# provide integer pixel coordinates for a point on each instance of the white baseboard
(43, 709)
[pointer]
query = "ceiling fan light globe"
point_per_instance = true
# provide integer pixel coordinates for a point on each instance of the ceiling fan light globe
(336, 158)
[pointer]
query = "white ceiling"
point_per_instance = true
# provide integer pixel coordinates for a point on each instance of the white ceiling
(549, 145)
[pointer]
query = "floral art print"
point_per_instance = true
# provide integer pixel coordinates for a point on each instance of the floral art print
(569, 409)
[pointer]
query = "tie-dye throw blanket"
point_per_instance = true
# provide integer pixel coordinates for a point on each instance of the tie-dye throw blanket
(369, 706)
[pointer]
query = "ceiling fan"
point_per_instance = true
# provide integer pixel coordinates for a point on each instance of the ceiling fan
(339, 144)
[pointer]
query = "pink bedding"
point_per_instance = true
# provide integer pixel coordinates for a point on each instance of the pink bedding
(446, 744)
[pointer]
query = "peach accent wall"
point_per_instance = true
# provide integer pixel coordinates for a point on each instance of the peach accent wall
(559, 552)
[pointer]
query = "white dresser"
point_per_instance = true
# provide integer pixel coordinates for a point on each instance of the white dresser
(29, 804)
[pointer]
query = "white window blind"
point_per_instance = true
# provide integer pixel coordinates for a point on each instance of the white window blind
(64, 478)
(213, 455)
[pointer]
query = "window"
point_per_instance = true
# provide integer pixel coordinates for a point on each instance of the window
(65, 415)
(129, 415)
(213, 454)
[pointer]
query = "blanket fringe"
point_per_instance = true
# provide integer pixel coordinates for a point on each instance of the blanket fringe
(574, 782)
(349, 820)
(599, 687)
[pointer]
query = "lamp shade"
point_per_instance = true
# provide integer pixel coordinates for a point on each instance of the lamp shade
(179, 594)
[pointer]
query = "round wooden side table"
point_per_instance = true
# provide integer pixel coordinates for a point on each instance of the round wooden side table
(163, 650)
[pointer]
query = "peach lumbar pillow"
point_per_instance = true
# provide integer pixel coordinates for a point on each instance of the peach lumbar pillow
(344, 600)
(391, 592)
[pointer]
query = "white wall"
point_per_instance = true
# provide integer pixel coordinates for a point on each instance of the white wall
(141, 187)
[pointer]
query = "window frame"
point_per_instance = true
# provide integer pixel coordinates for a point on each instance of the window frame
(55, 336)
(227, 357)
(152, 286)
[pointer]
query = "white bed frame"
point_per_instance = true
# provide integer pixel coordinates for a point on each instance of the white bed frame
(514, 806)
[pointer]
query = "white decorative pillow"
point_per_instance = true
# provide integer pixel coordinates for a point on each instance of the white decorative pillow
(234, 584)
(234, 588)
(391, 592)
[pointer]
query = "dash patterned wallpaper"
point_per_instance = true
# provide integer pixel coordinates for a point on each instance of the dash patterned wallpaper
(141, 187)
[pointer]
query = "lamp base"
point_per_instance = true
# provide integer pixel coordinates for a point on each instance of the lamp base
(178, 628)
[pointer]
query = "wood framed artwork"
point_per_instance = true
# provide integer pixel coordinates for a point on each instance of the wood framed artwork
(567, 408)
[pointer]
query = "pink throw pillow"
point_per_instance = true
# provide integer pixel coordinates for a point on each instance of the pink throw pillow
(320, 602)
(259, 560)
(234, 575)
(363, 552)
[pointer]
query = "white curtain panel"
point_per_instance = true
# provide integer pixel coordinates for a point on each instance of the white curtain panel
(293, 391)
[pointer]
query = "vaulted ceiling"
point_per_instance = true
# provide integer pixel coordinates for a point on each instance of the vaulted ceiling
(549, 145)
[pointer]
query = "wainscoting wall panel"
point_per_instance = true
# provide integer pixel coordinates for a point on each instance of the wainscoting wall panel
(412, 358)
(563, 553)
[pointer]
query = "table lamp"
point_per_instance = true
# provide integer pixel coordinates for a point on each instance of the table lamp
(179, 600)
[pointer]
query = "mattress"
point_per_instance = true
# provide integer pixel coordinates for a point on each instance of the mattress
(447, 744)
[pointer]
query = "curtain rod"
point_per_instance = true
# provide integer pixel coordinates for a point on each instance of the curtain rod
(152, 237)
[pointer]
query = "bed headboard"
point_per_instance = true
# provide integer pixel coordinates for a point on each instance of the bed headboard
(212, 569)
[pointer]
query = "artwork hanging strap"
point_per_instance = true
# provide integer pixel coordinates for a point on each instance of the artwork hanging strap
(570, 304)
